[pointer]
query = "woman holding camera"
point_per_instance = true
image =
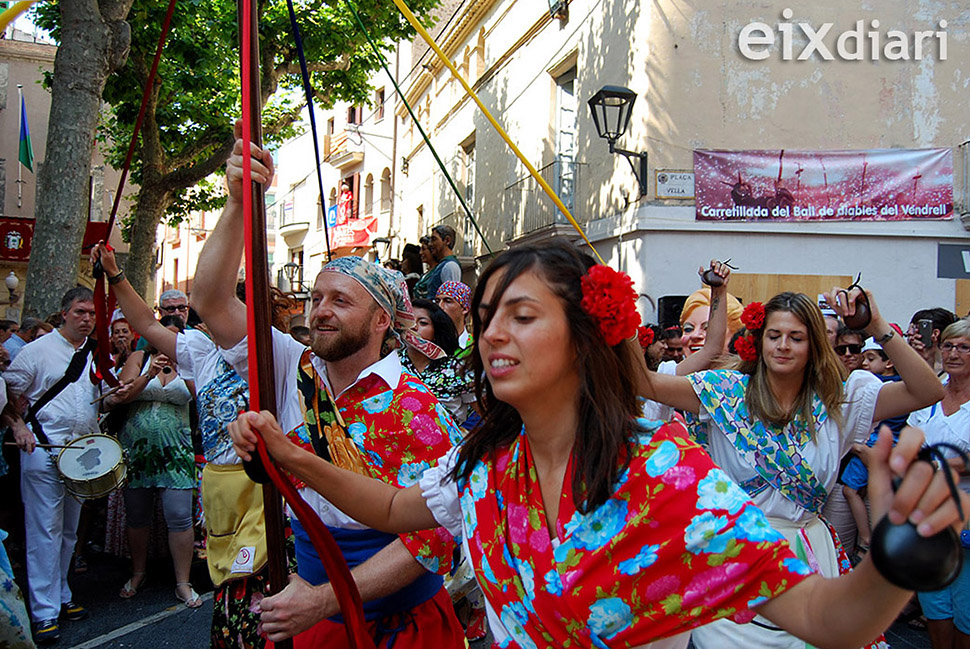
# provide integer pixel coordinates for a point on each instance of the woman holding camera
(157, 436)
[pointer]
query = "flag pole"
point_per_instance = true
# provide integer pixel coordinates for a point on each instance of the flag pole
(20, 165)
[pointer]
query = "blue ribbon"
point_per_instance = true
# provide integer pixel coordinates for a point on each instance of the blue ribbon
(308, 91)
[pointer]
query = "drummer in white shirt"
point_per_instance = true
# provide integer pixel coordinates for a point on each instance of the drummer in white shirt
(50, 513)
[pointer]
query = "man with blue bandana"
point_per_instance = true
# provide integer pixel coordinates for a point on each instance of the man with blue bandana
(347, 399)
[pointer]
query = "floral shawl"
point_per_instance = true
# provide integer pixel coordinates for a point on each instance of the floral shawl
(445, 377)
(677, 546)
(391, 434)
(775, 453)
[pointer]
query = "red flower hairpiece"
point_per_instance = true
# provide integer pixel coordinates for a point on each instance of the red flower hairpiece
(645, 336)
(746, 349)
(753, 316)
(608, 296)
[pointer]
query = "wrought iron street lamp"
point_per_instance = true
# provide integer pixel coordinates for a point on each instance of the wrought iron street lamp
(290, 270)
(611, 108)
(12, 282)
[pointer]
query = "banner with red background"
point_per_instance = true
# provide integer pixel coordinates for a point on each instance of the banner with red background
(346, 230)
(784, 185)
(17, 233)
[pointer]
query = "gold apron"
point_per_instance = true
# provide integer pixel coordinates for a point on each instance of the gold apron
(233, 505)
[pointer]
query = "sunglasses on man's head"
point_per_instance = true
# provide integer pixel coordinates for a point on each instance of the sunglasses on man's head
(172, 309)
(842, 350)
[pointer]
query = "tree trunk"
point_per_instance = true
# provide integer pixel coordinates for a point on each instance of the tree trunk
(93, 43)
(140, 266)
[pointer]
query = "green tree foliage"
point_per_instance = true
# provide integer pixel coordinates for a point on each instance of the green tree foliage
(187, 134)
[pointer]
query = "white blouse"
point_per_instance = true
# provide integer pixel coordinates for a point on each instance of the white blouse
(654, 410)
(38, 366)
(823, 453)
(952, 429)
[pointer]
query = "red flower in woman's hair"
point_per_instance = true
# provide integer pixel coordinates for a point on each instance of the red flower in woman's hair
(746, 348)
(608, 296)
(645, 336)
(753, 316)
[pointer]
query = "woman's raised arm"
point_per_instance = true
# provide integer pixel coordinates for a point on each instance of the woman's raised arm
(376, 504)
(138, 314)
(674, 391)
(919, 387)
(717, 324)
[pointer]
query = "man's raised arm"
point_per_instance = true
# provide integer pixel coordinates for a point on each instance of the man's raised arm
(214, 292)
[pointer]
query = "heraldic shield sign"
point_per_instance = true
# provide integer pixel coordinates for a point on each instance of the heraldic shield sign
(15, 236)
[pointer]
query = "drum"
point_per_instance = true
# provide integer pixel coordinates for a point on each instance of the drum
(92, 466)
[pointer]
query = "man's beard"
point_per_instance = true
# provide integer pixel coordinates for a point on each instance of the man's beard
(336, 346)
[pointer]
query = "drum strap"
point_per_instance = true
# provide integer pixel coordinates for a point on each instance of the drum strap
(74, 370)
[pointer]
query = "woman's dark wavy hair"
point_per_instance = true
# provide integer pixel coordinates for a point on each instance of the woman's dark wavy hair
(445, 335)
(608, 402)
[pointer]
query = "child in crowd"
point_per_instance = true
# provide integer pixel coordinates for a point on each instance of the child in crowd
(848, 347)
(855, 476)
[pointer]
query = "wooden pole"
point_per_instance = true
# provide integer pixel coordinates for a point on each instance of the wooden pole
(258, 302)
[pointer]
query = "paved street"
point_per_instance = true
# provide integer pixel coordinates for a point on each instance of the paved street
(153, 619)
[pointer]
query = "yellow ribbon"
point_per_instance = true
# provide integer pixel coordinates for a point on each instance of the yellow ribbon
(501, 131)
(13, 12)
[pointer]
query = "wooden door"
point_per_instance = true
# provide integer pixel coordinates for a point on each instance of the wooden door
(753, 287)
(962, 297)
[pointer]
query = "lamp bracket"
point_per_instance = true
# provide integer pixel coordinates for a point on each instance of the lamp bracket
(639, 169)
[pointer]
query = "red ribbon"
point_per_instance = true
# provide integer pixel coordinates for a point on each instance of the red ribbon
(102, 353)
(344, 586)
(104, 306)
(247, 165)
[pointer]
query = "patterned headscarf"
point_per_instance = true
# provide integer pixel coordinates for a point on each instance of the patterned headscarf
(389, 290)
(459, 292)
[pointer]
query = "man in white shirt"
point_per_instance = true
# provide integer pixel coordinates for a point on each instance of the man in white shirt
(50, 513)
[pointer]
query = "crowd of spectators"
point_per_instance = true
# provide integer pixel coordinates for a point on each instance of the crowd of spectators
(173, 384)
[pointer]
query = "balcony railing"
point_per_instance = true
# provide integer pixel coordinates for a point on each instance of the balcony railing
(526, 206)
(291, 220)
(344, 150)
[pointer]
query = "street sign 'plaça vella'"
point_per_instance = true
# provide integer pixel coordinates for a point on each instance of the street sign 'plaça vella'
(674, 183)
